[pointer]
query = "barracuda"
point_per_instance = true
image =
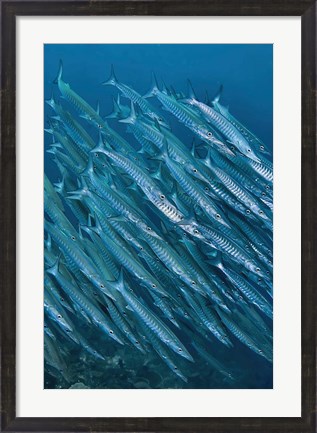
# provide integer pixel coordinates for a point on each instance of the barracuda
(155, 240)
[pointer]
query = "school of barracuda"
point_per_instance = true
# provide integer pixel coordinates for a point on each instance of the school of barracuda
(155, 254)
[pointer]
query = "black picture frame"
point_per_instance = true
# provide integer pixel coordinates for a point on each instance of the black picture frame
(306, 9)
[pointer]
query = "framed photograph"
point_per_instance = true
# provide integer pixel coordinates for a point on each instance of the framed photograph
(158, 238)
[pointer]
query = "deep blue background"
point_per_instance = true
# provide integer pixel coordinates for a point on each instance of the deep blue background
(246, 71)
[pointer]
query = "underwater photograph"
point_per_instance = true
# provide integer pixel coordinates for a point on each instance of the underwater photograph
(158, 216)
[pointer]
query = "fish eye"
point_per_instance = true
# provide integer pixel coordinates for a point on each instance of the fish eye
(196, 231)
(267, 187)
(62, 299)
(248, 211)
(102, 286)
(180, 350)
(175, 368)
(141, 248)
(195, 170)
(261, 212)
(209, 134)
(153, 285)
(206, 188)
(99, 126)
(96, 155)
(262, 147)
(148, 229)
(111, 331)
(218, 216)
(137, 342)
(67, 330)
(73, 238)
(162, 197)
(160, 119)
(263, 194)
(193, 283)
(59, 316)
(258, 269)
(249, 150)
(259, 280)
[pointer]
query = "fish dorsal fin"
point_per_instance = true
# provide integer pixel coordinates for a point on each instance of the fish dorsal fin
(217, 96)
(207, 99)
(164, 88)
(190, 90)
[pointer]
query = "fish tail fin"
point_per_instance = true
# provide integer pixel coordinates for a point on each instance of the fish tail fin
(112, 80)
(89, 169)
(51, 102)
(132, 117)
(214, 258)
(86, 228)
(115, 112)
(162, 155)
(217, 95)
(119, 283)
(60, 186)
(60, 72)
(54, 270)
(154, 88)
(49, 130)
(190, 90)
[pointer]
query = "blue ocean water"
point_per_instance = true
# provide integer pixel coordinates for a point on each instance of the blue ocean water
(245, 71)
